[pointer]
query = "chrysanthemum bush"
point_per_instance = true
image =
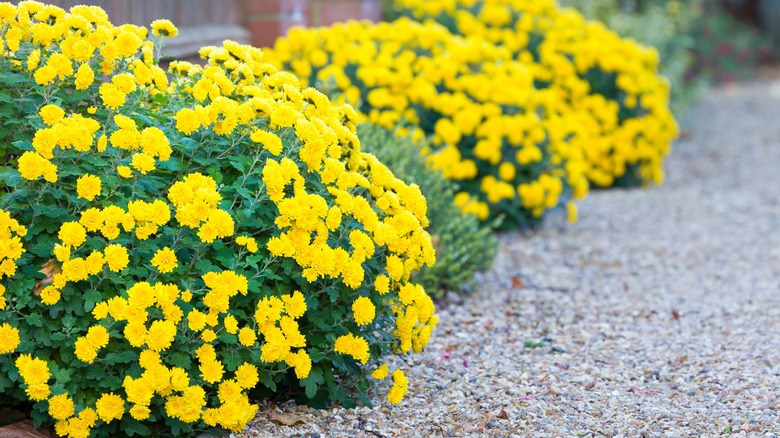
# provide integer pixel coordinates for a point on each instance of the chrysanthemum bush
(491, 130)
(166, 248)
(464, 245)
(608, 84)
(667, 25)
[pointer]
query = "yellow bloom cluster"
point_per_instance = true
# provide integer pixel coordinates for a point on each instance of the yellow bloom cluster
(221, 230)
(487, 121)
(606, 85)
(35, 373)
(9, 338)
(11, 248)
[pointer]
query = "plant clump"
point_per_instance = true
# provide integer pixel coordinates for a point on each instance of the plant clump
(170, 245)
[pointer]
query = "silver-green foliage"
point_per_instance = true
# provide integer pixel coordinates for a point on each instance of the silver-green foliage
(463, 245)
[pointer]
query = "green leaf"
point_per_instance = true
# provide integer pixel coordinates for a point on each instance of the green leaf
(266, 380)
(364, 398)
(34, 320)
(90, 298)
(180, 360)
(123, 357)
(111, 382)
(131, 427)
(232, 360)
(311, 389)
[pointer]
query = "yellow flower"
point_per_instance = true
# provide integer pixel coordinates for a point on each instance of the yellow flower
(400, 385)
(231, 324)
(208, 335)
(127, 43)
(33, 60)
(363, 310)
(116, 257)
(84, 77)
(110, 407)
(88, 186)
(45, 75)
(97, 336)
(211, 371)
(294, 304)
(72, 234)
(61, 407)
(160, 335)
(124, 171)
(165, 260)
(354, 346)
(61, 64)
(50, 295)
(164, 28)
(301, 362)
(140, 412)
(32, 166)
(395, 267)
(196, 320)
(381, 372)
(9, 338)
(270, 141)
(85, 351)
(143, 163)
(187, 121)
(112, 97)
(247, 376)
(382, 284)
(571, 210)
(51, 114)
(249, 242)
(38, 391)
(247, 337)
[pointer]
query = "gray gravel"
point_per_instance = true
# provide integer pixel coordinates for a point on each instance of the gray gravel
(658, 314)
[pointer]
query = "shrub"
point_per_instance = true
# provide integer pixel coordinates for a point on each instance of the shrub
(168, 247)
(726, 49)
(609, 83)
(463, 246)
(491, 131)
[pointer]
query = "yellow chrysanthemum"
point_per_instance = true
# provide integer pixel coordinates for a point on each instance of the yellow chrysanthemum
(88, 186)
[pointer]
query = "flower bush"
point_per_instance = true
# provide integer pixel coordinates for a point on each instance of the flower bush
(169, 245)
(463, 245)
(608, 83)
(491, 131)
(668, 25)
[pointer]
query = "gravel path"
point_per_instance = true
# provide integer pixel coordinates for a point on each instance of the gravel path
(658, 314)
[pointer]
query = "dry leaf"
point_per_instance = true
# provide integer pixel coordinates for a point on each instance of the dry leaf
(517, 283)
(49, 269)
(285, 419)
(502, 415)
(675, 315)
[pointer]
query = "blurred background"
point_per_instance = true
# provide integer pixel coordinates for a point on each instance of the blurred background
(701, 42)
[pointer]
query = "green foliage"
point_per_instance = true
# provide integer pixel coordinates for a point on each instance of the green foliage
(725, 48)
(170, 243)
(463, 246)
